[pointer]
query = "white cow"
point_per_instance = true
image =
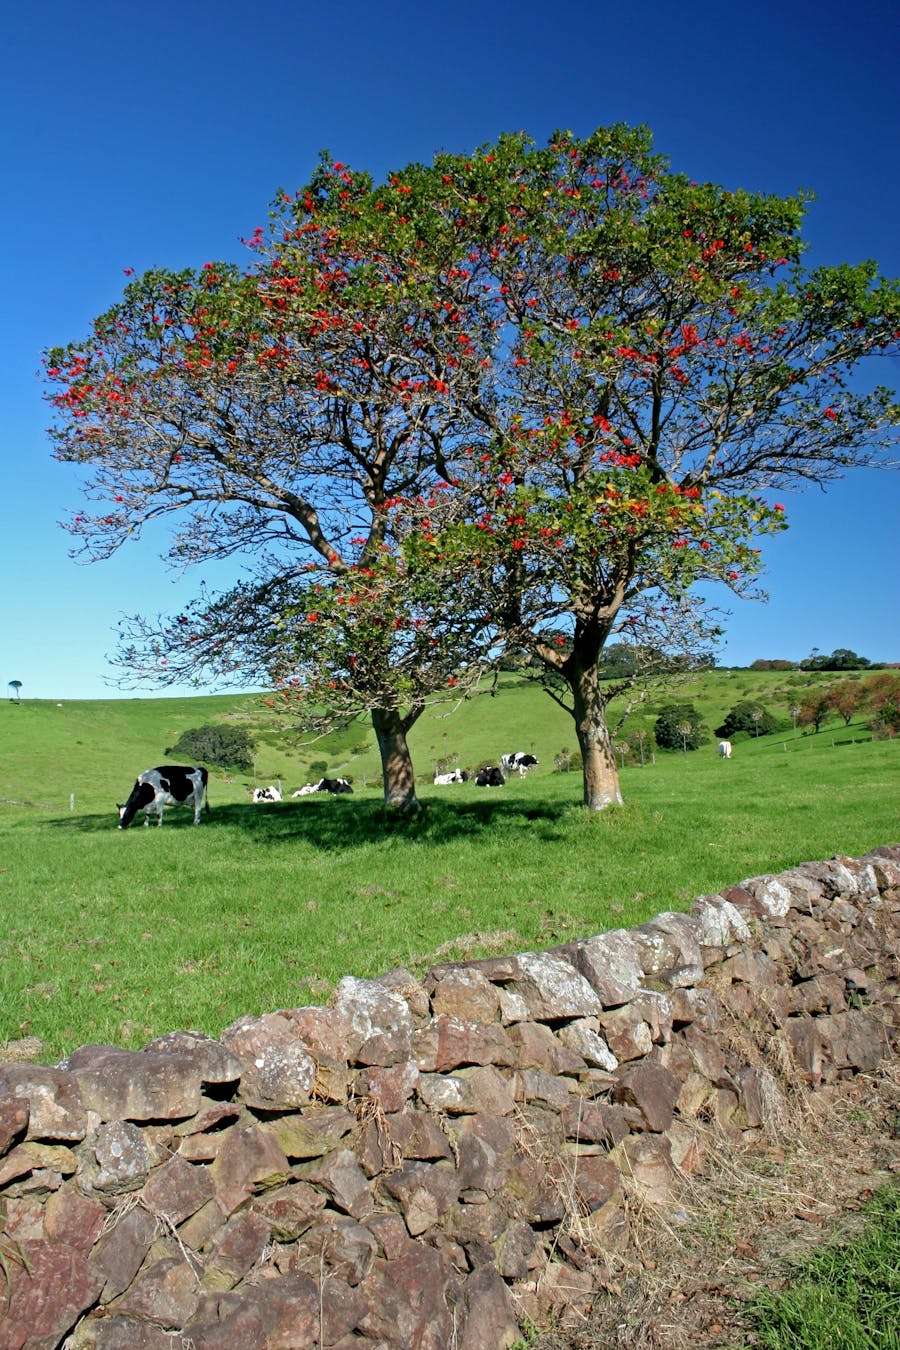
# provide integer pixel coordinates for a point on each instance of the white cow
(267, 794)
(724, 749)
(457, 776)
(306, 790)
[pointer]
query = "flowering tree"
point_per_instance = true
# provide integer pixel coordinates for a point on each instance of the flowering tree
(528, 396)
(661, 360)
(274, 414)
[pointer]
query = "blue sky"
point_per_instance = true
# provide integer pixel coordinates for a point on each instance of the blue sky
(135, 136)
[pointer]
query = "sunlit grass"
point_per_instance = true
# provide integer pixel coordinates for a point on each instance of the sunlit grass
(116, 936)
(845, 1295)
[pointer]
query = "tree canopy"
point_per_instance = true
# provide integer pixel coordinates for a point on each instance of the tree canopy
(528, 396)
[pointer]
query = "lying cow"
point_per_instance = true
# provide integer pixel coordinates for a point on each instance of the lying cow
(724, 749)
(457, 776)
(267, 794)
(168, 785)
(518, 760)
(490, 777)
(332, 785)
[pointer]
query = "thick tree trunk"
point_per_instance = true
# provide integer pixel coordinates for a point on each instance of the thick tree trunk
(396, 763)
(601, 779)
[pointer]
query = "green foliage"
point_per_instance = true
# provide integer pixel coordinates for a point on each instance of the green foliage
(840, 659)
(846, 1294)
(749, 717)
(224, 746)
(679, 727)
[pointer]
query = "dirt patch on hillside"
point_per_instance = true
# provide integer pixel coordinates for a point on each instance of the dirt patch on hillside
(744, 1215)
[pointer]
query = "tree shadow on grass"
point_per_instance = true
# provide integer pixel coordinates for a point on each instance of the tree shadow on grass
(333, 824)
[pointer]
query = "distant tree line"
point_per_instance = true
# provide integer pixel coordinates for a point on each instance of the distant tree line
(842, 658)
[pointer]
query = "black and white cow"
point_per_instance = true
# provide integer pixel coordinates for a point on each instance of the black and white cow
(267, 794)
(332, 785)
(457, 776)
(490, 777)
(168, 785)
(518, 760)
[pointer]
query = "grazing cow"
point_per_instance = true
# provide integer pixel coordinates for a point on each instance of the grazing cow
(518, 760)
(168, 785)
(724, 749)
(490, 777)
(267, 794)
(457, 776)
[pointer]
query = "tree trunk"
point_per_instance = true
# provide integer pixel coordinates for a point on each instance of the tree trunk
(396, 763)
(601, 779)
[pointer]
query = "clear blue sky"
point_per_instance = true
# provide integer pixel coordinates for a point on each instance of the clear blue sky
(136, 136)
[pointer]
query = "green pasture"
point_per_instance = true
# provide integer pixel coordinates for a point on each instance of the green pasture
(115, 936)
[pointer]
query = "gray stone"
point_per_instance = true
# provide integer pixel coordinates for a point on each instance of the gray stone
(277, 1071)
(610, 963)
(123, 1158)
(375, 1022)
(51, 1097)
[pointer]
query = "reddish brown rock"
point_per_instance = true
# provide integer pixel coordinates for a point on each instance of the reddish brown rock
(237, 1248)
(406, 1302)
(338, 1246)
(13, 1122)
(277, 1314)
(341, 1176)
(467, 1091)
(313, 1134)
(537, 1047)
(485, 1316)
(47, 1286)
(465, 993)
(137, 1085)
(118, 1333)
(653, 1090)
(72, 1219)
(424, 1192)
(289, 1210)
(390, 1086)
(448, 1042)
(166, 1293)
(249, 1160)
(177, 1190)
(120, 1250)
(484, 1151)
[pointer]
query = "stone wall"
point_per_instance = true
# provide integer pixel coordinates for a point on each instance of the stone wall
(430, 1163)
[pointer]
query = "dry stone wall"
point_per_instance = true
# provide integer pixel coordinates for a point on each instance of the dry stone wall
(429, 1163)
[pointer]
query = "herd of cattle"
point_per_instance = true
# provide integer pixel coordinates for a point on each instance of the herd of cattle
(181, 784)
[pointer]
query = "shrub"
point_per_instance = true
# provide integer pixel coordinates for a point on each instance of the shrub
(679, 727)
(227, 747)
(750, 717)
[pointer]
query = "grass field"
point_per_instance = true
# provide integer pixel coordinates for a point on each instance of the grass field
(116, 936)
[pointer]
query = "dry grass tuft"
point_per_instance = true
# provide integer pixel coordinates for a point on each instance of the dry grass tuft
(754, 1205)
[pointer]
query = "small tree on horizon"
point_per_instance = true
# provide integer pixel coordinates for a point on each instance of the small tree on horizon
(16, 687)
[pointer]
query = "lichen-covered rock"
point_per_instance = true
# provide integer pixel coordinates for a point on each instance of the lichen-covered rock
(610, 963)
(277, 1071)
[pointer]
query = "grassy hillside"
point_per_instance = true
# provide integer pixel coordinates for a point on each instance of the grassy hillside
(114, 936)
(94, 749)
